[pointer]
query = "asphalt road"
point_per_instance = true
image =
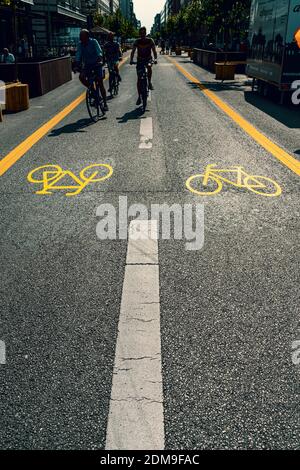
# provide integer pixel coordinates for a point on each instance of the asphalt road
(229, 312)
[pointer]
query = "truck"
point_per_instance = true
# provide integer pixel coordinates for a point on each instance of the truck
(274, 52)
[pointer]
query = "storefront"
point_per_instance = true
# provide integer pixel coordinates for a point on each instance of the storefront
(58, 29)
(16, 27)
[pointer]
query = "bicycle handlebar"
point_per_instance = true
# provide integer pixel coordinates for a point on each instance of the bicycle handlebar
(150, 62)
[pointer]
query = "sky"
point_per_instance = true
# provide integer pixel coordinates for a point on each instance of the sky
(146, 10)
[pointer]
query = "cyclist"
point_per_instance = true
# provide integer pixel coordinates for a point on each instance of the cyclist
(89, 53)
(145, 47)
(113, 55)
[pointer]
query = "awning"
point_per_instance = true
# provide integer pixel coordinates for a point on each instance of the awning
(100, 30)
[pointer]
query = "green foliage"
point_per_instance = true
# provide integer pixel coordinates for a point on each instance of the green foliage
(11, 3)
(213, 15)
(222, 15)
(116, 23)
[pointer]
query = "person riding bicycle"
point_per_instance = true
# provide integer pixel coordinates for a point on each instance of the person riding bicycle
(113, 55)
(90, 54)
(145, 47)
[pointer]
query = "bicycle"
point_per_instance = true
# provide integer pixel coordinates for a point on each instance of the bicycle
(211, 182)
(142, 71)
(113, 81)
(52, 177)
(93, 98)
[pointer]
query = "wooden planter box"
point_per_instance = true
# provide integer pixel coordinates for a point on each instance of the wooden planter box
(224, 71)
(42, 76)
(208, 59)
(17, 97)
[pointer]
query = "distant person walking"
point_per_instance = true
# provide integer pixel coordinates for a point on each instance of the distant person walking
(167, 46)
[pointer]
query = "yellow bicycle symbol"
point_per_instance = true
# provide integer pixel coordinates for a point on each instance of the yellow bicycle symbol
(211, 182)
(50, 175)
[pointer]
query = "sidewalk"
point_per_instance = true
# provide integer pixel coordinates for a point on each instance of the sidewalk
(281, 123)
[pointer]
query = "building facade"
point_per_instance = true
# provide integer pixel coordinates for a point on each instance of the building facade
(125, 8)
(156, 25)
(171, 7)
(48, 27)
(114, 5)
(21, 17)
(57, 25)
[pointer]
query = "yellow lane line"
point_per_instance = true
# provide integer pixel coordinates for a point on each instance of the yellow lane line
(12, 157)
(22, 148)
(284, 157)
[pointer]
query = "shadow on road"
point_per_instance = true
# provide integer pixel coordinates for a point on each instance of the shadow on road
(77, 126)
(221, 86)
(286, 114)
(130, 116)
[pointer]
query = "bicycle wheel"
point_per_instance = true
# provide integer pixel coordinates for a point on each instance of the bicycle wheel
(116, 88)
(262, 185)
(37, 175)
(100, 110)
(111, 83)
(195, 185)
(103, 169)
(92, 103)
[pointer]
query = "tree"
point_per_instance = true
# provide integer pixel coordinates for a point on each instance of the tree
(116, 23)
(230, 17)
(98, 19)
(227, 16)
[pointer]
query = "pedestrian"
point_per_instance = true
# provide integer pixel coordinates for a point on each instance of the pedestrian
(167, 46)
(173, 46)
(7, 57)
(21, 49)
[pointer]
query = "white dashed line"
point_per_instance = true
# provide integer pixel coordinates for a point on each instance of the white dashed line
(2, 352)
(146, 133)
(136, 407)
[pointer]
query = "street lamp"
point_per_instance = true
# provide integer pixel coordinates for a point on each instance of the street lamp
(14, 5)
